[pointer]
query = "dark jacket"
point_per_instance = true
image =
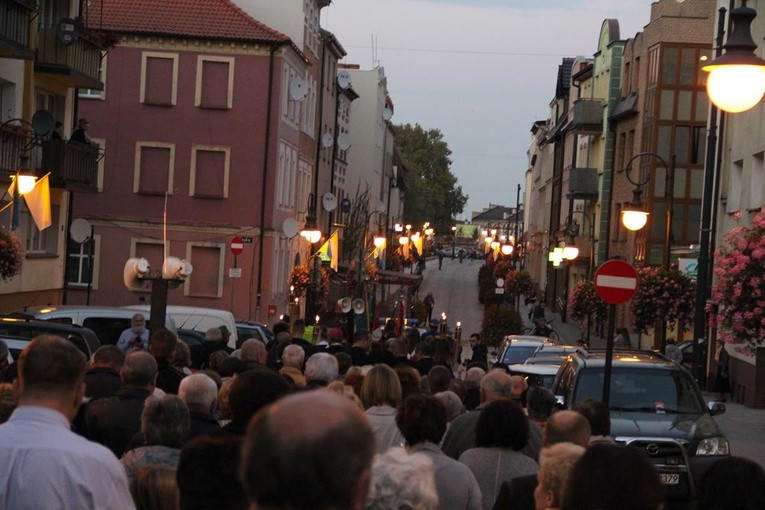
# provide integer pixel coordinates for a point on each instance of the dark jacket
(359, 356)
(115, 420)
(201, 424)
(102, 383)
(168, 377)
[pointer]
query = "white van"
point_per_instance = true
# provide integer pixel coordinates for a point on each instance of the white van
(199, 319)
(108, 322)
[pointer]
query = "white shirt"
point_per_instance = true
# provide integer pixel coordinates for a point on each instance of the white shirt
(124, 341)
(46, 465)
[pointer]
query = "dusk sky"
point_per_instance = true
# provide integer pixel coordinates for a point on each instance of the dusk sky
(481, 71)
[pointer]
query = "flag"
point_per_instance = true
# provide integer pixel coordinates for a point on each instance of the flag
(38, 203)
(329, 250)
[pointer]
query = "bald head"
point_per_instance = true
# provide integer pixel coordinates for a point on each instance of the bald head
(495, 385)
(519, 385)
(567, 427)
(139, 370)
(313, 464)
(253, 351)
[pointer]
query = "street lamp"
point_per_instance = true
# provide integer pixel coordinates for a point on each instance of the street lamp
(669, 192)
(454, 239)
(737, 78)
(572, 229)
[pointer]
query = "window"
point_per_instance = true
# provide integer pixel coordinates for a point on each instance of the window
(209, 171)
(287, 175)
(308, 109)
(304, 183)
(669, 66)
(207, 281)
(292, 109)
(756, 199)
(215, 82)
(734, 187)
(282, 264)
(78, 262)
(38, 242)
(159, 78)
(153, 172)
(95, 93)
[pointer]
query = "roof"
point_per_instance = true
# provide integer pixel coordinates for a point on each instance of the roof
(203, 19)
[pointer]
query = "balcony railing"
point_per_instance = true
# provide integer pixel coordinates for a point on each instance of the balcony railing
(586, 116)
(14, 29)
(76, 65)
(72, 165)
(14, 141)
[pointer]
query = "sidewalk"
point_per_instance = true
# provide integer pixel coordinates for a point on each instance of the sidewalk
(568, 331)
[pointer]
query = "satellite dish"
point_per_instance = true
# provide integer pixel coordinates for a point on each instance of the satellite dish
(358, 306)
(290, 227)
(79, 230)
(298, 89)
(387, 113)
(326, 140)
(135, 270)
(345, 304)
(175, 269)
(43, 122)
(329, 201)
(344, 79)
(344, 141)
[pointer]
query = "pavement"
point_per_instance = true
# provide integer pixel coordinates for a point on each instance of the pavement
(455, 289)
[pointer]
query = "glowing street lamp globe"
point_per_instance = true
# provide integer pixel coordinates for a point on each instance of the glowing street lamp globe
(634, 219)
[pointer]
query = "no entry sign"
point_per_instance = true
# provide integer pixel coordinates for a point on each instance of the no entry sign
(616, 281)
(237, 246)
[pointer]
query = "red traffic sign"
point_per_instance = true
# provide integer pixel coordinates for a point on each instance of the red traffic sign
(616, 281)
(237, 246)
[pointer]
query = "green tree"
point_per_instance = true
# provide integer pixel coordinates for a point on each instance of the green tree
(432, 191)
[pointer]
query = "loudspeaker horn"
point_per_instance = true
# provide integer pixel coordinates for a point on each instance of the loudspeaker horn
(175, 269)
(135, 270)
(345, 304)
(358, 306)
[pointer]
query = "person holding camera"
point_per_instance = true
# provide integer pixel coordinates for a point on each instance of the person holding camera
(136, 337)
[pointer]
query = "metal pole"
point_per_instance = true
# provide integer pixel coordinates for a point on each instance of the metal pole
(91, 245)
(609, 353)
(702, 278)
(669, 194)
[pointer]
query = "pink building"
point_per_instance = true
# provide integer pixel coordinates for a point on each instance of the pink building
(194, 112)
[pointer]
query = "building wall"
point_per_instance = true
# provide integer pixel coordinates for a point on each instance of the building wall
(203, 212)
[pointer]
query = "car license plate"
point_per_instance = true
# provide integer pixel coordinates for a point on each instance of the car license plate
(669, 478)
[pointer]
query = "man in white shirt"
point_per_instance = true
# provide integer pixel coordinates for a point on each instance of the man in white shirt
(136, 337)
(45, 465)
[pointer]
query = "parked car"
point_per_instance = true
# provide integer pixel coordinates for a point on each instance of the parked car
(191, 337)
(516, 349)
(537, 374)
(246, 330)
(108, 322)
(27, 328)
(199, 319)
(656, 406)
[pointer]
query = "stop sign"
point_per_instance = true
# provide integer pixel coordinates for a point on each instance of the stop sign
(616, 281)
(237, 246)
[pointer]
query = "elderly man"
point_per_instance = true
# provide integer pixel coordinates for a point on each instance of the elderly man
(320, 370)
(253, 352)
(495, 385)
(201, 396)
(136, 337)
(322, 464)
(567, 427)
(292, 363)
(115, 420)
(45, 464)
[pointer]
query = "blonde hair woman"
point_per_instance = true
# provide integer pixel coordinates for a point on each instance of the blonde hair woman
(381, 395)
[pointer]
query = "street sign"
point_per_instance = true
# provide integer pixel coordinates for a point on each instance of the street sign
(235, 272)
(237, 246)
(616, 281)
(246, 239)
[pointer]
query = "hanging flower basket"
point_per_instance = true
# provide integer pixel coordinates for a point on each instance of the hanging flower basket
(662, 296)
(740, 289)
(584, 304)
(11, 255)
(300, 279)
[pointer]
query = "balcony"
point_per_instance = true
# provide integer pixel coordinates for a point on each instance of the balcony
(14, 141)
(586, 116)
(75, 65)
(72, 165)
(583, 183)
(14, 29)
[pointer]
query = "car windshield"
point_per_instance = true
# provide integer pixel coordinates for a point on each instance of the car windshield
(517, 354)
(636, 389)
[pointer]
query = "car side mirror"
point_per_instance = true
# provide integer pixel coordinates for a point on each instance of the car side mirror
(716, 408)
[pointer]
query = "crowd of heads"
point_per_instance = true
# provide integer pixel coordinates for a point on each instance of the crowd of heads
(238, 416)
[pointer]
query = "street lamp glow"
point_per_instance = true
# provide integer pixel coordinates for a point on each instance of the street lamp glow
(379, 241)
(634, 220)
(494, 245)
(737, 78)
(312, 235)
(25, 183)
(415, 237)
(507, 249)
(570, 252)
(428, 231)
(403, 240)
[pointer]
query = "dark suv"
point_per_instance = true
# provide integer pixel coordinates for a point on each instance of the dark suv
(655, 406)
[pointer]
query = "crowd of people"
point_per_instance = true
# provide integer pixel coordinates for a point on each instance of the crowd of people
(331, 424)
